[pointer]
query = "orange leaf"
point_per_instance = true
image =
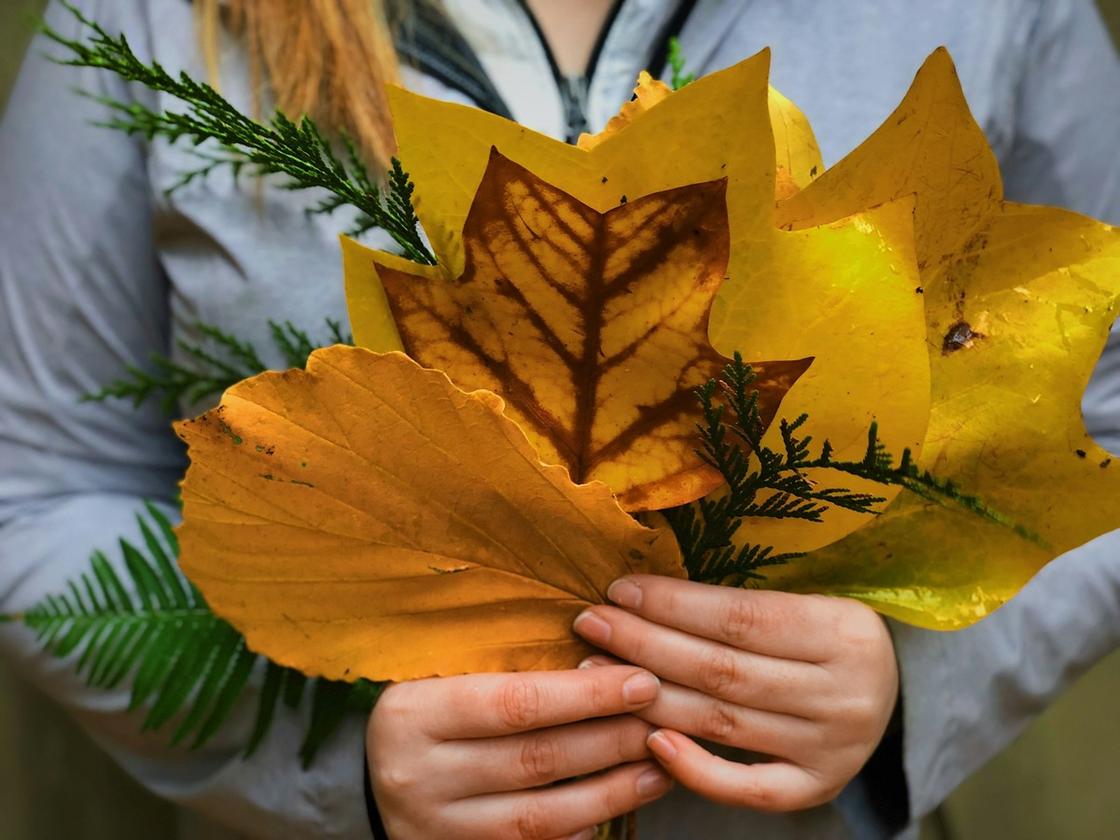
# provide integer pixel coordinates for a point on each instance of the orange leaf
(442, 545)
(647, 93)
(593, 326)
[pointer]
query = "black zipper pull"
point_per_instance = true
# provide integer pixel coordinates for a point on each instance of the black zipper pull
(573, 94)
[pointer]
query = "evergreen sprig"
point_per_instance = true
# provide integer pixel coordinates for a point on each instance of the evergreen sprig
(186, 664)
(280, 146)
(769, 483)
(217, 362)
(679, 77)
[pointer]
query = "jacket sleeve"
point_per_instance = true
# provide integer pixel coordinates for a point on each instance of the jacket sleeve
(968, 694)
(82, 295)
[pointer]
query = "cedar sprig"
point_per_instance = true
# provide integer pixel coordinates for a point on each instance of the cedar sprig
(280, 146)
(218, 361)
(679, 77)
(770, 483)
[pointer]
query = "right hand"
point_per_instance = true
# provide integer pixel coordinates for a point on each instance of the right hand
(475, 756)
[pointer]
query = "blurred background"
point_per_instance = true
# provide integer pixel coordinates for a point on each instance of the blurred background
(1059, 781)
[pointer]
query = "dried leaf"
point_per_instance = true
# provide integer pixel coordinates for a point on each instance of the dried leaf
(683, 140)
(844, 294)
(930, 148)
(592, 326)
(648, 92)
(1019, 304)
(690, 137)
(440, 543)
(797, 155)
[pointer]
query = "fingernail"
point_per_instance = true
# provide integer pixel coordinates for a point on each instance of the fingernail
(661, 746)
(593, 662)
(653, 783)
(592, 628)
(640, 688)
(625, 593)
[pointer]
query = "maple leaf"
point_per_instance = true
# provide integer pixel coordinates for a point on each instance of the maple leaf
(838, 294)
(592, 326)
(366, 518)
(1019, 302)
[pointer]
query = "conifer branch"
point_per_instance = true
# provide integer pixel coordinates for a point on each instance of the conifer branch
(768, 483)
(219, 361)
(679, 78)
(280, 146)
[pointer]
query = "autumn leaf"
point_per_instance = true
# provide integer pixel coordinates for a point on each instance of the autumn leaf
(366, 518)
(647, 93)
(797, 156)
(855, 284)
(930, 148)
(592, 326)
(1019, 303)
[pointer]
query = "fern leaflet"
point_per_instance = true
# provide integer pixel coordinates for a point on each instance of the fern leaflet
(186, 665)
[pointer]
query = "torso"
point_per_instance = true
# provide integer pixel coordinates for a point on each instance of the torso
(237, 257)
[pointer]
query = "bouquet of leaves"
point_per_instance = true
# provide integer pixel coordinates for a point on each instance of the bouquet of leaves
(680, 347)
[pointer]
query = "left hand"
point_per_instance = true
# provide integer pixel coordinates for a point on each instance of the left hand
(807, 679)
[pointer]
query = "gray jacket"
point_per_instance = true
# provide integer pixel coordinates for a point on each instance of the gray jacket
(98, 269)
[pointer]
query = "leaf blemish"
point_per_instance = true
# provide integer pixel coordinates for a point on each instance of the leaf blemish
(959, 337)
(225, 429)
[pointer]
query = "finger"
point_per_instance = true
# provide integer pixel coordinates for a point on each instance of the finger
(693, 713)
(776, 786)
(777, 624)
(561, 810)
(532, 759)
(488, 705)
(719, 670)
(599, 660)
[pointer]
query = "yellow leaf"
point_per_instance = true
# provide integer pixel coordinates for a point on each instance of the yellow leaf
(798, 157)
(670, 145)
(366, 518)
(1019, 303)
(844, 294)
(931, 148)
(716, 127)
(1012, 360)
(592, 326)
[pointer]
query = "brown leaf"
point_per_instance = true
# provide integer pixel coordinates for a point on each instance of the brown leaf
(593, 326)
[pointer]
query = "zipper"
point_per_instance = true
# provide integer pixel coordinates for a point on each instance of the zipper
(573, 89)
(573, 93)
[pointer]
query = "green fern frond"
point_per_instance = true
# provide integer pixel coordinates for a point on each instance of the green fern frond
(186, 665)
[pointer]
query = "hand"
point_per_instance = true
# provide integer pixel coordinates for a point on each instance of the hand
(809, 680)
(476, 756)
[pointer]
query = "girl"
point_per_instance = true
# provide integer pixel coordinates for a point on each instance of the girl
(98, 268)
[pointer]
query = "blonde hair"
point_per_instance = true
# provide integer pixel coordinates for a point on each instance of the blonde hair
(327, 59)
